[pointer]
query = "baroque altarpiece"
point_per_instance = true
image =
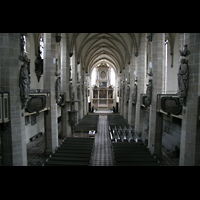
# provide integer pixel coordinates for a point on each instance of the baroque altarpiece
(103, 91)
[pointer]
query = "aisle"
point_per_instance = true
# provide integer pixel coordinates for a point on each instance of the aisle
(102, 154)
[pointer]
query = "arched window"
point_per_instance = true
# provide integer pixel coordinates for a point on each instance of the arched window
(41, 43)
(166, 63)
(93, 77)
(112, 76)
(24, 37)
(148, 58)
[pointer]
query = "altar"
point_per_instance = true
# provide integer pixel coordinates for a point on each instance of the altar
(103, 92)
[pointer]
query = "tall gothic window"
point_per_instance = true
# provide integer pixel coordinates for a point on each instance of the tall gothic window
(93, 77)
(112, 81)
(24, 44)
(71, 68)
(41, 42)
(166, 60)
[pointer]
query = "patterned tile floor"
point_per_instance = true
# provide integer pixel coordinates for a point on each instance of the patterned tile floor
(102, 154)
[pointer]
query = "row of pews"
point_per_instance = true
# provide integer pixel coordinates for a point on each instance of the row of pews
(120, 130)
(119, 134)
(133, 154)
(128, 149)
(74, 151)
(87, 123)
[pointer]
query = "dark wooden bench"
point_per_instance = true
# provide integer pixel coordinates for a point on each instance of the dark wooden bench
(83, 155)
(61, 158)
(138, 164)
(65, 163)
(73, 151)
(89, 122)
(36, 136)
(133, 154)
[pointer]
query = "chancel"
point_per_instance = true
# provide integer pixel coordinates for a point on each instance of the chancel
(99, 99)
(103, 90)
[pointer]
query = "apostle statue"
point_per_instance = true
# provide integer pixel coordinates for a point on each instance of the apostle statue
(58, 90)
(183, 75)
(24, 81)
(147, 97)
(39, 65)
(135, 93)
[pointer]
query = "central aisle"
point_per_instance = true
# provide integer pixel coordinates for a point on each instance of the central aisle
(102, 154)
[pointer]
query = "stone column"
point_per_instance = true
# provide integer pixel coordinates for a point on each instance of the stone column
(74, 82)
(51, 126)
(13, 138)
(190, 129)
(141, 84)
(80, 104)
(131, 108)
(65, 76)
(155, 118)
(122, 93)
(126, 71)
(119, 86)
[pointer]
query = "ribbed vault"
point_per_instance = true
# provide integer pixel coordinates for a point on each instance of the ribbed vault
(113, 48)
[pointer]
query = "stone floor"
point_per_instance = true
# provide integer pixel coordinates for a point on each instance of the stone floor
(102, 154)
(168, 159)
(35, 152)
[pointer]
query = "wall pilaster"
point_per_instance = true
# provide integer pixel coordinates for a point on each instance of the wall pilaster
(155, 118)
(13, 137)
(51, 126)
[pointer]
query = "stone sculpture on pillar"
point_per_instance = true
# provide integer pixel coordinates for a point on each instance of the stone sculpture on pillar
(58, 90)
(73, 119)
(24, 78)
(147, 98)
(128, 93)
(71, 92)
(134, 95)
(78, 92)
(123, 88)
(39, 65)
(183, 75)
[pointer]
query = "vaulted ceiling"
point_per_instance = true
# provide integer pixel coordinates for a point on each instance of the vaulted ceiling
(113, 48)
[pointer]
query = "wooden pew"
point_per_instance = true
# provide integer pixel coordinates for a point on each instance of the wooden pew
(73, 151)
(133, 154)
